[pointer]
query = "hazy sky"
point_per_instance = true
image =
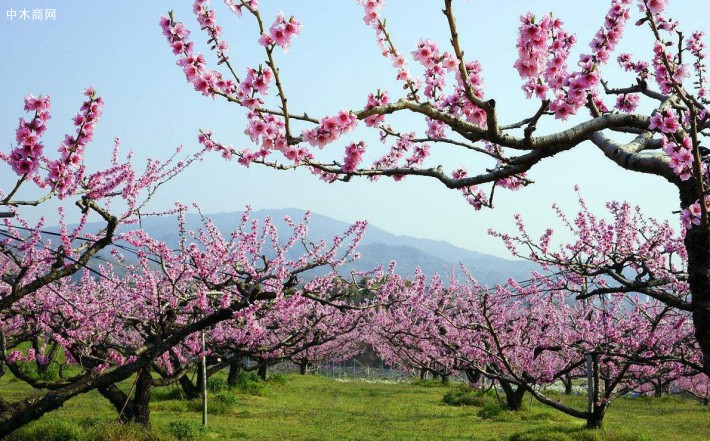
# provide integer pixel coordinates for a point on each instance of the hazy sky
(117, 47)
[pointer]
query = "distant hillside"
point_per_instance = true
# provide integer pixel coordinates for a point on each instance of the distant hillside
(378, 246)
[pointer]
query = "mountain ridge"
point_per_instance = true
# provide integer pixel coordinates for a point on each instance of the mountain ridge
(378, 246)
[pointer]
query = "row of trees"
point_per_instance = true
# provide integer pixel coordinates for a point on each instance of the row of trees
(139, 309)
(445, 92)
(586, 317)
(609, 306)
(621, 304)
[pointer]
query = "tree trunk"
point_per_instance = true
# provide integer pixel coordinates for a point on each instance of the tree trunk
(596, 400)
(422, 374)
(120, 401)
(596, 417)
(303, 367)
(131, 410)
(261, 372)
(141, 398)
(513, 395)
(191, 391)
(697, 244)
(657, 389)
(235, 370)
(567, 381)
(445, 378)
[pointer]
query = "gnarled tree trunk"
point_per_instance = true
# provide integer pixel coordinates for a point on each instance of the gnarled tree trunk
(135, 409)
(513, 395)
(697, 245)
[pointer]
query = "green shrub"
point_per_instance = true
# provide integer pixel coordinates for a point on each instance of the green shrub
(223, 404)
(279, 379)
(490, 410)
(624, 436)
(463, 395)
(575, 434)
(169, 406)
(187, 431)
(249, 383)
(216, 384)
(46, 429)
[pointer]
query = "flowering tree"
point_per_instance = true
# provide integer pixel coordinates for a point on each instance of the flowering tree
(697, 385)
(34, 264)
(447, 93)
(115, 321)
(110, 324)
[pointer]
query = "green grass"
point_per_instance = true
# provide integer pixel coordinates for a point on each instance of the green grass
(316, 408)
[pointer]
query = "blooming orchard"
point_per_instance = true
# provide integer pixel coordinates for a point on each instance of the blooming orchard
(445, 90)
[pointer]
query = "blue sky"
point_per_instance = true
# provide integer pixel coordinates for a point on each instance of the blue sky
(117, 47)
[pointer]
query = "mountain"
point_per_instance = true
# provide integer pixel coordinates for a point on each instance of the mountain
(378, 247)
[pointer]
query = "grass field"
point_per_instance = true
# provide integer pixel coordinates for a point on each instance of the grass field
(295, 407)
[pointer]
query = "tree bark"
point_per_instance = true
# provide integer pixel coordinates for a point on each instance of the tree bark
(303, 367)
(235, 369)
(141, 398)
(697, 245)
(191, 391)
(513, 395)
(596, 417)
(120, 401)
(131, 410)
(262, 371)
(567, 381)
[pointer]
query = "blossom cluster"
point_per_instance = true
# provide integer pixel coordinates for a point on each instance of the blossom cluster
(638, 67)
(374, 100)
(330, 129)
(473, 194)
(204, 80)
(251, 5)
(372, 18)
(205, 138)
(255, 82)
(65, 172)
(207, 18)
(692, 215)
(458, 103)
(543, 49)
(681, 154)
(353, 156)
(697, 47)
(281, 32)
(665, 122)
(25, 158)
(627, 102)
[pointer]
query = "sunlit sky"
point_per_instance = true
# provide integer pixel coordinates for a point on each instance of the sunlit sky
(117, 47)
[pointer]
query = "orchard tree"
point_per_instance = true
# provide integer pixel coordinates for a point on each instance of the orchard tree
(445, 90)
(34, 262)
(117, 320)
(111, 326)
